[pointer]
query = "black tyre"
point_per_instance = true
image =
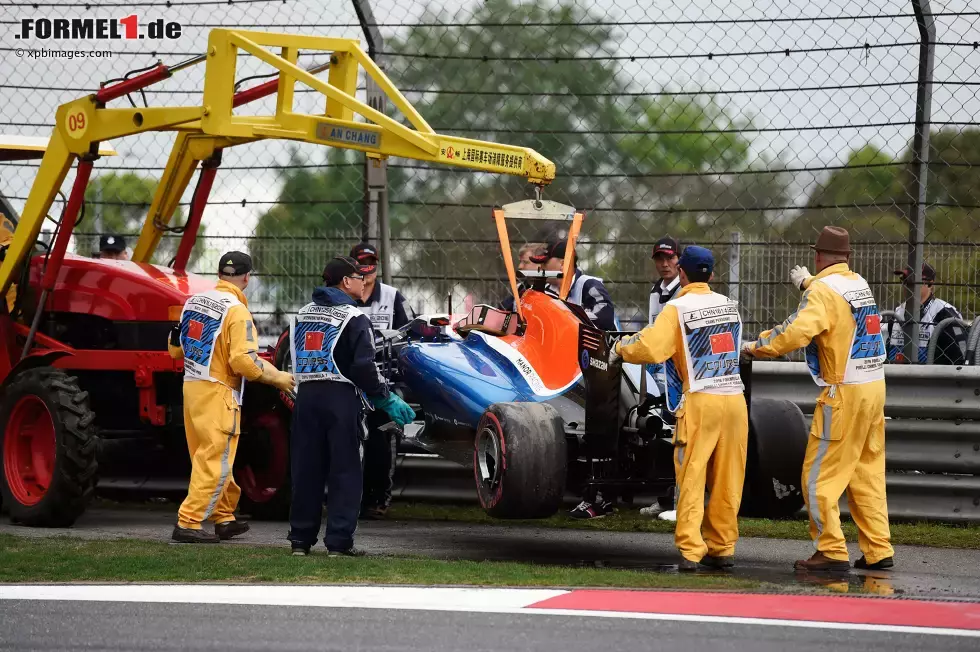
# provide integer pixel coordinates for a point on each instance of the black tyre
(262, 466)
(49, 448)
(282, 358)
(777, 445)
(520, 460)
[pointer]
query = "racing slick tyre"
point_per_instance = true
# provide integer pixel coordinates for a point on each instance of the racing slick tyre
(49, 446)
(520, 460)
(777, 445)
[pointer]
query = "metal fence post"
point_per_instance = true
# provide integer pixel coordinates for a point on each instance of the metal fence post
(920, 171)
(375, 225)
(734, 259)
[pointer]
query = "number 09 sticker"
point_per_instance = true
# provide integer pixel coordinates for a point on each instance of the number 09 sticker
(77, 123)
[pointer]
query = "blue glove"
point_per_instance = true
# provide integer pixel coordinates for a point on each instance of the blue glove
(396, 408)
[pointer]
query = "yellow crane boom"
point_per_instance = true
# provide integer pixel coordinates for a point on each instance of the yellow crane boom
(204, 130)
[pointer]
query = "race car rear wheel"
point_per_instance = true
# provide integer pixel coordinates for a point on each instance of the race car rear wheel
(520, 460)
(777, 445)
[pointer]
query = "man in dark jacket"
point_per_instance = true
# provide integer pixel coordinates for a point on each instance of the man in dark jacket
(386, 308)
(586, 291)
(332, 346)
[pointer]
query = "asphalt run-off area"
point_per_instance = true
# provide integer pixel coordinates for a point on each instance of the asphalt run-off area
(931, 600)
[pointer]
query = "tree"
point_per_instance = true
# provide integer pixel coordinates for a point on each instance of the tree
(575, 112)
(863, 197)
(695, 181)
(317, 216)
(118, 203)
(547, 83)
(872, 197)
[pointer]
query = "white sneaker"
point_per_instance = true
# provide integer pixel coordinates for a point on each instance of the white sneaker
(669, 516)
(653, 510)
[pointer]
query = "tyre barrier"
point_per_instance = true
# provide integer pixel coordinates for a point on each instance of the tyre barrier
(932, 434)
(960, 338)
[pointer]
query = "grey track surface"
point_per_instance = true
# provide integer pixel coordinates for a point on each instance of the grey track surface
(920, 572)
(29, 625)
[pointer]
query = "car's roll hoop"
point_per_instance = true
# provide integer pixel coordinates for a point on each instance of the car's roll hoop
(538, 209)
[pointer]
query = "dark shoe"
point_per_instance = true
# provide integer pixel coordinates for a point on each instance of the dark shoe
(586, 510)
(687, 566)
(718, 562)
(299, 550)
(187, 535)
(374, 513)
(820, 562)
(230, 529)
(881, 564)
(350, 552)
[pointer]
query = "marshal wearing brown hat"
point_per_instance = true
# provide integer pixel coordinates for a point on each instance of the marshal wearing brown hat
(838, 326)
(833, 240)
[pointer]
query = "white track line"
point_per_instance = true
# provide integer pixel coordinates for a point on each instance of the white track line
(472, 600)
(383, 597)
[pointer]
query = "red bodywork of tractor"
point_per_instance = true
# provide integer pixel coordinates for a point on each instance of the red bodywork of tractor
(100, 372)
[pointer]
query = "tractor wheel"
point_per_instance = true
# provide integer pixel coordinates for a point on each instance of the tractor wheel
(777, 446)
(262, 467)
(49, 447)
(520, 460)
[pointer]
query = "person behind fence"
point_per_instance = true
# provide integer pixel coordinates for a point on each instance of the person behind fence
(697, 335)
(216, 338)
(524, 263)
(838, 325)
(586, 291)
(934, 311)
(332, 347)
(665, 256)
(386, 308)
(112, 247)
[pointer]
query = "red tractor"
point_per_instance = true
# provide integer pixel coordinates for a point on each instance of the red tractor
(89, 396)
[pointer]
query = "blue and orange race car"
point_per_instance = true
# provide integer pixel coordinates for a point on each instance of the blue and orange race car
(532, 401)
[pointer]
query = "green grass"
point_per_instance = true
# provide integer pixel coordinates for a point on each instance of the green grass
(65, 559)
(935, 535)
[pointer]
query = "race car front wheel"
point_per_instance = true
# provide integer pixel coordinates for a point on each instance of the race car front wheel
(520, 460)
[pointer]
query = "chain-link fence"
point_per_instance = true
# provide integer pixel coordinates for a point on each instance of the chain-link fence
(740, 126)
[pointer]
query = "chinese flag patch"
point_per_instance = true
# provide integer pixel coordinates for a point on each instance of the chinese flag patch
(313, 341)
(872, 323)
(195, 330)
(722, 343)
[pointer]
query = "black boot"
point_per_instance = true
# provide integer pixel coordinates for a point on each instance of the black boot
(881, 564)
(687, 566)
(230, 529)
(718, 562)
(187, 535)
